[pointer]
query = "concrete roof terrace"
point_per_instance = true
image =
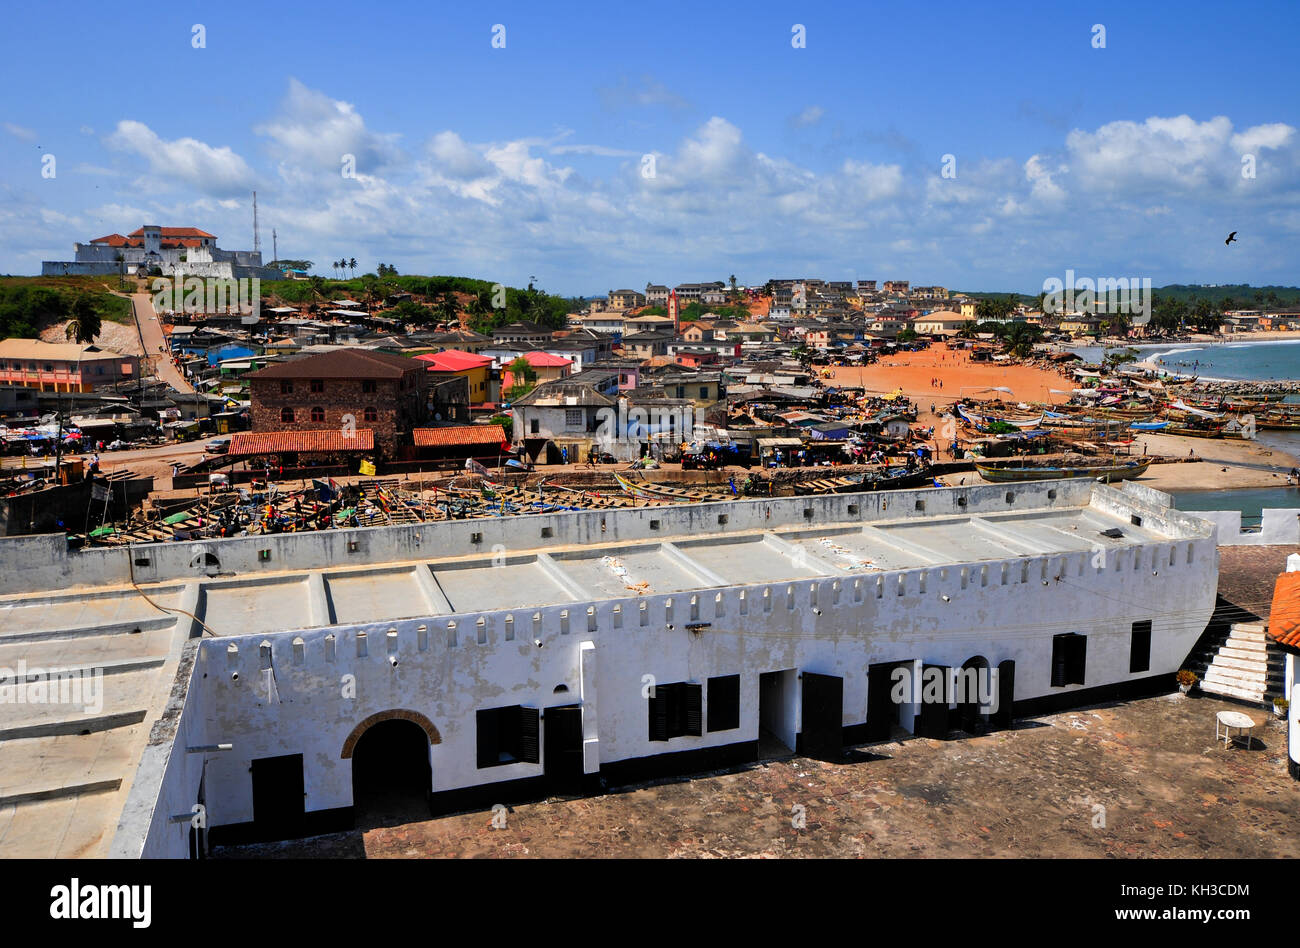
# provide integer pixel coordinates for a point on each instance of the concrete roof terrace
(66, 768)
(515, 578)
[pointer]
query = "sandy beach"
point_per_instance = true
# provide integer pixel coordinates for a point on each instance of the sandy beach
(1223, 464)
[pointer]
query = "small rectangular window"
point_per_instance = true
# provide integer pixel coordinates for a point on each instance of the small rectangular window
(507, 736)
(675, 710)
(1069, 659)
(318, 385)
(368, 386)
(1139, 653)
(286, 386)
(724, 703)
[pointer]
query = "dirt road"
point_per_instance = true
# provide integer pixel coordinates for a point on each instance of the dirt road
(155, 344)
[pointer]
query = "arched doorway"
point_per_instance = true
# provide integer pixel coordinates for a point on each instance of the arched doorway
(973, 683)
(391, 774)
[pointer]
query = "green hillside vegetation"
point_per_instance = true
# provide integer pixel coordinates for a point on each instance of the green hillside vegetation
(29, 305)
(1234, 296)
(434, 299)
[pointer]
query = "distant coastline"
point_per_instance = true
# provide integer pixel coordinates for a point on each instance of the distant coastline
(1219, 364)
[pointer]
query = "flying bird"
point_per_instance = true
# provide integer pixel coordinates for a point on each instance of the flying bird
(1231, 238)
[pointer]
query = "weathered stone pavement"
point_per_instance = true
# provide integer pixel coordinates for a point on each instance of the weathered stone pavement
(1133, 780)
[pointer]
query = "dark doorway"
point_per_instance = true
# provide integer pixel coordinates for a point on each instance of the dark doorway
(391, 775)
(936, 693)
(278, 797)
(562, 756)
(199, 827)
(972, 681)
(776, 737)
(822, 735)
(1002, 717)
(882, 709)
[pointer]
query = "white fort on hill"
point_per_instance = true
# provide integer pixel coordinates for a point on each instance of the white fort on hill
(186, 250)
(276, 681)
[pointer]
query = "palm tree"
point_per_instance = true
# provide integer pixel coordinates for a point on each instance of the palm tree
(317, 285)
(352, 265)
(524, 376)
(85, 324)
(1019, 339)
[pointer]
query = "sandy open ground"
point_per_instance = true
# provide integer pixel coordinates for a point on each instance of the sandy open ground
(918, 372)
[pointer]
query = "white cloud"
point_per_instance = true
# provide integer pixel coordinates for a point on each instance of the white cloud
(186, 160)
(1040, 179)
(17, 131)
(314, 131)
(809, 116)
(511, 207)
(1275, 135)
(457, 159)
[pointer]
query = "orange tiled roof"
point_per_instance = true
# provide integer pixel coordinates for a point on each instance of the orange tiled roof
(1284, 618)
(278, 442)
(174, 232)
(459, 434)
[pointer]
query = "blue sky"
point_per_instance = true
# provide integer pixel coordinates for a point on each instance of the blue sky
(769, 160)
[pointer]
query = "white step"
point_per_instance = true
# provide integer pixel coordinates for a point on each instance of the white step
(1211, 687)
(1258, 656)
(1234, 676)
(1255, 665)
(1251, 643)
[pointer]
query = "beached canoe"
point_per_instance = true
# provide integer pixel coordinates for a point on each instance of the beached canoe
(1108, 472)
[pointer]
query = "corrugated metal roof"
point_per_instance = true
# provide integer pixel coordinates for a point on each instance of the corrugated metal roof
(279, 442)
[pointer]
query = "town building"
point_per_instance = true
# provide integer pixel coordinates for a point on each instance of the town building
(523, 331)
(939, 323)
(341, 390)
(478, 369)
(63, 366)
(626, 299)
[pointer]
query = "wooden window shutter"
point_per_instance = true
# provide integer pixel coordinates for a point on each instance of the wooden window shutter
(724, 703)
(1078, 659)
(693, 709)
(528, 736)
(1140, 648)
(488, 740)
(1058, 660)
(658, 704)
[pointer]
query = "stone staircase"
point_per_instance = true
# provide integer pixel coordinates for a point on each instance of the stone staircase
(1239, 662)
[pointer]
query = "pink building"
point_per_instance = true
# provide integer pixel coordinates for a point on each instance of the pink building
(63, 367)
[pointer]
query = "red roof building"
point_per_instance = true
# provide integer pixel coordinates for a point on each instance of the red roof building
(459, 435)
(453, 360)
(333, 440)
(1284, 618)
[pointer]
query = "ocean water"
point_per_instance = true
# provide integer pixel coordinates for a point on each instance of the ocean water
(1250, 501)
(1271, 360)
